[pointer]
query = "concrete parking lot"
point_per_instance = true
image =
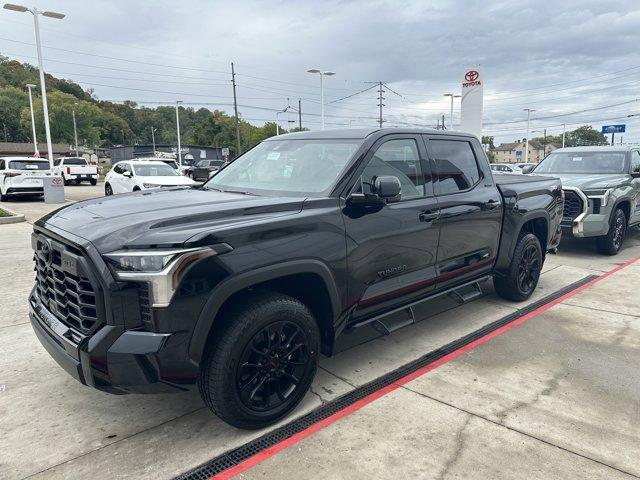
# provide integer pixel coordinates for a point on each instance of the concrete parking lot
(557, 397)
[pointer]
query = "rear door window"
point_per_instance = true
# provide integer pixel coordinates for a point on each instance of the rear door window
(456, 165)
(28, 165)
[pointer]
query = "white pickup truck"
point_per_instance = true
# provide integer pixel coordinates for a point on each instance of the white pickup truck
(75, 169)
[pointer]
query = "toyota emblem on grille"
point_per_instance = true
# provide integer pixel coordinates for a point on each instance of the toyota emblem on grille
(46, 252)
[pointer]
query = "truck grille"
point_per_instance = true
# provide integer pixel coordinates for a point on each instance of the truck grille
(572, 206)
(63, 284)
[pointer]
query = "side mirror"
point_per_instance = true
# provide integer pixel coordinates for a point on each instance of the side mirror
(528, 168)
(387, 186)
(127, 174)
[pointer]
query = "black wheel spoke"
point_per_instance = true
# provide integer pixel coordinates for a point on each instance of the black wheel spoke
(272, 366)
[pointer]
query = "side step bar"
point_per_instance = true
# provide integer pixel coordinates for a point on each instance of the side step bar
(385, 323)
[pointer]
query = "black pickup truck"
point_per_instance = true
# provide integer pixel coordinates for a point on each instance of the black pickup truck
(238, 285)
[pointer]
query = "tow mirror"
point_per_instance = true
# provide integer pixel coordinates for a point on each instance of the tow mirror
(528, 168)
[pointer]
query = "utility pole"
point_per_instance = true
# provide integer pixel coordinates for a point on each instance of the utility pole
(380, 104)
(526, 147)
(153, 141)
(235, 108)
(443, 127)
(178, 102)
(300, 114)
(33, 120)
(75, 130)
(544, 143)
(564, 129)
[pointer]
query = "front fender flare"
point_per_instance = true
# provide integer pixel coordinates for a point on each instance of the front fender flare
(222, 292)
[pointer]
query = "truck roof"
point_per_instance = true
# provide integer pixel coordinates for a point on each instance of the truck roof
(593, 148)
(361, 133)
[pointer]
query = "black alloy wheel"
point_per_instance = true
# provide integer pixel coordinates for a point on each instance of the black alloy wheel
(529, 269)
(272, 366)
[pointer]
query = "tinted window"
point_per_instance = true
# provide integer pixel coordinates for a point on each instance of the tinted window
(29, 165)
(117, 168)
(75, 161)
(635, 162)
(398, 158)
(154, 170)
(456, 165)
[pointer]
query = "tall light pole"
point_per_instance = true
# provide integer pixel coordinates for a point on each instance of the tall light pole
(322, 74)
(45, 107)
(153, 140)
(33, 119)
(451, 111)
(526, 148)
(564, 130)
(75, 130)
(178, 102)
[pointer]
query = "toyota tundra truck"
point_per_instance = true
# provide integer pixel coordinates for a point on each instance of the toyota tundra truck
(237, 286)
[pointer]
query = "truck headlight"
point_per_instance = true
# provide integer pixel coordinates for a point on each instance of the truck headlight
(601, 194)
(161, 269)
(151, 185)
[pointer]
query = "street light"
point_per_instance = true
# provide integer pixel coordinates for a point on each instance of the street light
(322, 74)
(526, 148)
(75, 130)
(33, 120)
(451, 113)
(178, 102)
(45, 107)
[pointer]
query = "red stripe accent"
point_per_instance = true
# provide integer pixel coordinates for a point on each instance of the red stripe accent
(278, 447)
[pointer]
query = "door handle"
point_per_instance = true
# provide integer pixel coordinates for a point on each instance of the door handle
(429, 216)
(491, 204)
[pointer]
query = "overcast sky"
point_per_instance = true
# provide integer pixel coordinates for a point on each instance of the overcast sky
(555, 57)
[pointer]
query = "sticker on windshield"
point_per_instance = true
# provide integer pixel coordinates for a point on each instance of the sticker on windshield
(577, 159)
(288, 170)
(273, 156)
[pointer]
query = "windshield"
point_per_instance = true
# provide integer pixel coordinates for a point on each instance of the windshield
(296, 166)
(29, 165)
(171, 163)
(154, 170)
(583, 162)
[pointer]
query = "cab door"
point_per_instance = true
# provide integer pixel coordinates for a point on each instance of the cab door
(635, 183)
(470, 209)
(391, 247)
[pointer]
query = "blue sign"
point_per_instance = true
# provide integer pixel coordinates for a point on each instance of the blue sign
(613, 128)
(518, 153)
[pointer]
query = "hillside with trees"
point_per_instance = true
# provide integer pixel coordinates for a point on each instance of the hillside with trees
(104, 123)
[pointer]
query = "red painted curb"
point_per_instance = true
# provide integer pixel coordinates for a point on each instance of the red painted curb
(278, 447)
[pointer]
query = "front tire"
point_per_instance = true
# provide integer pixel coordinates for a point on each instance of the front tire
(108, 190)
(524, 270)
(611, 243)
(261, 363)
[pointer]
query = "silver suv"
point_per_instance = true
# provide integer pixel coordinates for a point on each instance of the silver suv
(602, 192)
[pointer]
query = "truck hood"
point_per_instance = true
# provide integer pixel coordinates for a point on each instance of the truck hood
(166, 217)
(589, 182)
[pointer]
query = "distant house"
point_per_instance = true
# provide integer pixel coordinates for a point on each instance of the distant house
(514, 152)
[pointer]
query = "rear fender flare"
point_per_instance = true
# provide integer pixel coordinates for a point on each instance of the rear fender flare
(221, 293)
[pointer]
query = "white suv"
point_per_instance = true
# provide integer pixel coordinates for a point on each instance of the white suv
(133, 175)
(22, 176)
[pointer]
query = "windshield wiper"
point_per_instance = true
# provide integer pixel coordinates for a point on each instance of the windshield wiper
(239, 191)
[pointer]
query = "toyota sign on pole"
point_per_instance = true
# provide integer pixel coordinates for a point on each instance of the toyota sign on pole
(471, 102)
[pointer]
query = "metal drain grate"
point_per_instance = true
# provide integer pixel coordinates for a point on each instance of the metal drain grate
(238, 455)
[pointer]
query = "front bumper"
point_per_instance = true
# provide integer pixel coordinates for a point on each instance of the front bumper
(114, 359)
(587, 223)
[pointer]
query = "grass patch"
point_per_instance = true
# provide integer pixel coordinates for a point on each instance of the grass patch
(5, 214)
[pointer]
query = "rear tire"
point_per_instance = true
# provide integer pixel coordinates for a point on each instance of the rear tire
(611, 243)
(524, 270)
(93, 182)
(65, 181)
(260, 364)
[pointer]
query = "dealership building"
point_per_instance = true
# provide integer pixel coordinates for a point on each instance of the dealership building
(189, 152)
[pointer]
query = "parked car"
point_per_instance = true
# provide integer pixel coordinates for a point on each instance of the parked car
(75, 169)
(237, 286)
(205, 169)
(505, 168)
(133, 175)
(22, 176)
(602, 192)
